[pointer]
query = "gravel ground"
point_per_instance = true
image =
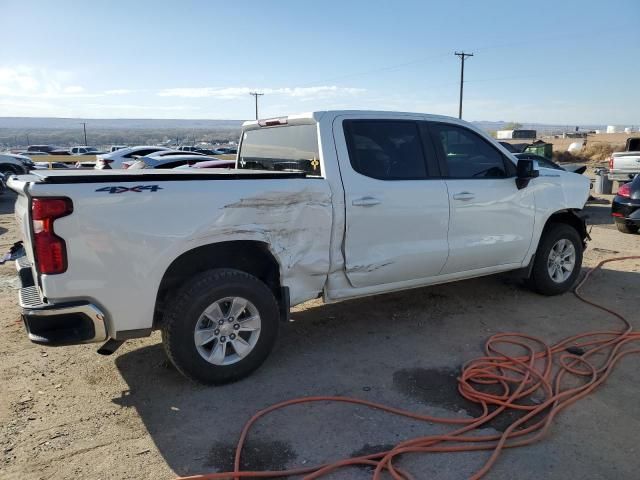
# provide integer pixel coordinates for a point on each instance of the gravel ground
(70, 413)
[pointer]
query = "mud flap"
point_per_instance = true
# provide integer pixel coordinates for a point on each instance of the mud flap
(16, 251)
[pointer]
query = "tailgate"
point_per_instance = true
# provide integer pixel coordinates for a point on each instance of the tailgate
(626, 162)
(22, 212)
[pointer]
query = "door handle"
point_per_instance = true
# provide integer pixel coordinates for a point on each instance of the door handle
(463, 196)
(366, 202)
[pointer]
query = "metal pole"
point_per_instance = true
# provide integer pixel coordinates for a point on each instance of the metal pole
(256, 95)
(84, 128)
(462, 56)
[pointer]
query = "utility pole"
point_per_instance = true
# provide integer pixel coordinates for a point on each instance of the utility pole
(256, 95)
(462, 56)
(84, 127)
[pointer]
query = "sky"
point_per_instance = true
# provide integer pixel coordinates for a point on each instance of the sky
(558, 62)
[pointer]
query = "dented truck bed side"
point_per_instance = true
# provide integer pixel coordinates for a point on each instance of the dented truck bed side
(132, 237)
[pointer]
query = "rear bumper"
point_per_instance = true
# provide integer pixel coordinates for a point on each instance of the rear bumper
(621, 175)
(68, 323)
(626, 210)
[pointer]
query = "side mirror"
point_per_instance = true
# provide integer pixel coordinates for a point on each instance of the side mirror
(525, 171)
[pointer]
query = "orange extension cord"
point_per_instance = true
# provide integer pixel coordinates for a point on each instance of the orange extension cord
(517, 378)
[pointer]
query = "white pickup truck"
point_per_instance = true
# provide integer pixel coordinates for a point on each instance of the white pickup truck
(338, 205)
(623, 166)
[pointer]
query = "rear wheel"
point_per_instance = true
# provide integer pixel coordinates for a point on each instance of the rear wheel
(627, 228)
(558, 260)
(220, 326)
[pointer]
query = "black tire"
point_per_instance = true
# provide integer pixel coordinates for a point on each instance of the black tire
(188, 304)
(540, 279)
(626, 228)
(8, 170)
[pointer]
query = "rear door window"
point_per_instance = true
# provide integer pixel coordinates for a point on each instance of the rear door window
(386, 149)
(287, 148)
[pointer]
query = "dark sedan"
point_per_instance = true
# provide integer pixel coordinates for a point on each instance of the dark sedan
(625, 208)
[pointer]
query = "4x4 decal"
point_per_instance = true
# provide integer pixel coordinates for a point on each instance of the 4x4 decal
(137, 189)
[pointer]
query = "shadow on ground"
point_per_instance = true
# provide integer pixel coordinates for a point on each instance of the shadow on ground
(598, 212)
(403, 348)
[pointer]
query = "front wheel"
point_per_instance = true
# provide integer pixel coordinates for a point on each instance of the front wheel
(558, 260)
(220, 326)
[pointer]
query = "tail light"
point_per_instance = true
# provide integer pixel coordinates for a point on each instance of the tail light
(624, 190)
(49, 249)
(611, 162)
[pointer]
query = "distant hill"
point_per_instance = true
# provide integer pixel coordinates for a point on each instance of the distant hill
(116, 123)
(19, 132)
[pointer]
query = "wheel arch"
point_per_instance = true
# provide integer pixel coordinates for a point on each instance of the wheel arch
(12, 167)
(250, 256)
(569, 217)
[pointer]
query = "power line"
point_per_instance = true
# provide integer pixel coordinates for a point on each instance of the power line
(462, 56)
(256, 95)
(590, 33)
(395, 66)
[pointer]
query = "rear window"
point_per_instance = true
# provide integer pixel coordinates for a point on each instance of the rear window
(290, 148)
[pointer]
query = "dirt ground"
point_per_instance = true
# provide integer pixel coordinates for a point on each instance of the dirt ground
(616, 140)
(70, 413)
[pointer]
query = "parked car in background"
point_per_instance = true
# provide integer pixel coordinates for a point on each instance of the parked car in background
(168, 161)
(514, 147)
(171, 153)
(115, 159)
(623, 166)
(227, 150)
(117, 147)
(162, 154)
(208, 151)
(370, 202)
(11, 163)
(546, 163)
(34, 154)
(209, 164)
(41, 148)
(625, 207)
(83, 149)
(100, 152)
(59, 151)
(47, 165)
(186, 148)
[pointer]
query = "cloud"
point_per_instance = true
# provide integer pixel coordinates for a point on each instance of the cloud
(230, 93)
(26, 81)
(118, 91)
(168, 108)
(73, 89)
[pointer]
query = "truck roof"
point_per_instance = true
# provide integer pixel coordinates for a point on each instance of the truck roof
(313, 117)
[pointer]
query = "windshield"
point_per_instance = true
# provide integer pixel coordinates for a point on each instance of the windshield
(290, 148)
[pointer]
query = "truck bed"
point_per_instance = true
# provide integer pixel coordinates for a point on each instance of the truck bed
(102, 176)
